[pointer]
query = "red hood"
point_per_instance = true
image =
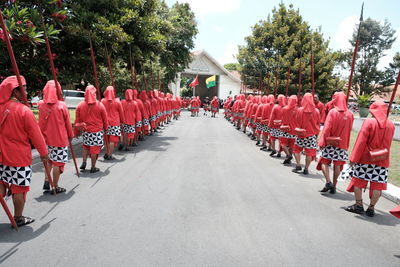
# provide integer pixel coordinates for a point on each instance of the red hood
(379, 110)
(292, 102)
(109, 94)
(155, 93)
(129, 95)
(50, 95)
(135, 94)
(90, 94)
(7, 86)
(150, 94)
(339, 101)
(143, 96)
(281, 100)
(264, 99)
(308, 103)
(271, 99)
(250, 98)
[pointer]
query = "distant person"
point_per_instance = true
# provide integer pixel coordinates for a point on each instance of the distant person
(321, 108)
(206, 105)
(214, 106)
(288, 129)
(370, 158)
(129, 125)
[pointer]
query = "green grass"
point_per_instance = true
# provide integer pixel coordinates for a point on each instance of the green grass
(394, 169)
(71, 114)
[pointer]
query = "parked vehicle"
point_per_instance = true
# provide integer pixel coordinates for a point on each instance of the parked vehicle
(34, 101)
(73, 97)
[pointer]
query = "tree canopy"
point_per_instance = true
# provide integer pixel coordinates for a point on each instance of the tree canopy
(159, 39)
(282, 42)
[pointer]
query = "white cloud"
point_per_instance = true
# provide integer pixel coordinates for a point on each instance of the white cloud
(205, 7)
(340, 39)
(229, 55)
(218, 28)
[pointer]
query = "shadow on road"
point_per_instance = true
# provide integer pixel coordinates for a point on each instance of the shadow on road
(25, 233)
(340, 195)
(380, 218)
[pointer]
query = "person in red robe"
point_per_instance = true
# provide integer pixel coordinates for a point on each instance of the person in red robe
(370, 158)
(274, 125)
(334, 141)
(18, 127)
(153, 111)
(115, 116)
(91, 119)
(266, 114)
(288, 136)
(194, 107)
(55, 124)
(307, 130)
(214, 106)
(130, 110)
(321, 108)
(258, 118)
(252, 115)
(147, 111)
(247, 107)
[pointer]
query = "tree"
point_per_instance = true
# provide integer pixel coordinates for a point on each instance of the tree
(374, 40)
(232, 66)
(280, 43)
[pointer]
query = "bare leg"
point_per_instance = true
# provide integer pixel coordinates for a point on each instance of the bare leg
(2, 190)
(56, 175)
(325, 171)
(336, 173)
(94, 157)
(297, 158)
(358, 195)
(85, 154)
(376, 194)
(19, 204)
(111, 146)
(308, 162)
(286, 150)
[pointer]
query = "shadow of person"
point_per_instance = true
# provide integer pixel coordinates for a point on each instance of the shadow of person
(48, 197)
(25, 233)
(380, 218)
(340, 195)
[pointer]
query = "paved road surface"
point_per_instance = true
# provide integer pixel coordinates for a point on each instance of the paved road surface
(197, 194)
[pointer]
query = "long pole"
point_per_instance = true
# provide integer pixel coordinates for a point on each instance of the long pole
(8, 212)
(59, 92)
(276, 83)
(12, 58)
(110, 69)
(354, 56)
(96, 77)
(393, 94)
(299, 83)
(287, 82)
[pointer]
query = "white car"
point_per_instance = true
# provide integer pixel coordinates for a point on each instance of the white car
(73, 97)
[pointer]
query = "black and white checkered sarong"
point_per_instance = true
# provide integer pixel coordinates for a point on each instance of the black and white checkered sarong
(153, 118)
(138, 124)
(275, 132)
(307, 142)
(334, 153)
(58, 154)
(370, 172)
(20, 176)
(114, 130)
(129, 128)
(93, 139)
(146, 122)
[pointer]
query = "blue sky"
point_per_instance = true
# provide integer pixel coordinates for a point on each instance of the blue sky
(223, 24)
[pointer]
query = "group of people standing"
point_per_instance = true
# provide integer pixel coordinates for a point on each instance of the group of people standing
(292, 126)
(208, 105)
(109, 121)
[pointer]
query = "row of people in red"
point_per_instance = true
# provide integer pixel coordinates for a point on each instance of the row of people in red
(297, 129)
(137, 116)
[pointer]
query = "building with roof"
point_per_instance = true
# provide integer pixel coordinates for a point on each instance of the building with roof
(205, 66)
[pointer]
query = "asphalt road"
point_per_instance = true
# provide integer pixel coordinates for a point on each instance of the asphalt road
(199, 193)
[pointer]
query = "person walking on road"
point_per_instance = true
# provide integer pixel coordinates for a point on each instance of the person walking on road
(307, 130)
(55, 124)
(91, 119)
(214, 106)
(334, 141)
(18, 127)
(288, 125)
(370, 158)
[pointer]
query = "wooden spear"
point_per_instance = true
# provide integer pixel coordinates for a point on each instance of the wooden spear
(96, 77)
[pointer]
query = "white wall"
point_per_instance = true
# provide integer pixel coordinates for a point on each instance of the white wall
(226, 84)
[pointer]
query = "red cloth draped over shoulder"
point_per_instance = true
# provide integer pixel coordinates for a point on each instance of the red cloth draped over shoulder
(373, 135)
(18, 126)
(276, 113)
(289, 114)
(115, 113)
(54, 119)
(214, 103)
